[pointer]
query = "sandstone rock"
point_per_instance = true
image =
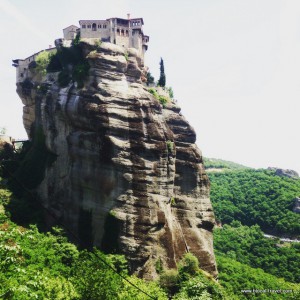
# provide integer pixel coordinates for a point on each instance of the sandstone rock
(296, 207)
(283, 172)
(128, 176)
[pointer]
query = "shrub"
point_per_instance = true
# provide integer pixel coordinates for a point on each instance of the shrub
(150, 78)
(169, 280)
(153, 92)
(42, 61)
(76, 41)
(163, 100)
(126, 56)
(170, 146)
(171, 93)
(188, 266)
(173, 201)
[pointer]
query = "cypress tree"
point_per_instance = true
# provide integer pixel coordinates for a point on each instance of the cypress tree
(162, 78)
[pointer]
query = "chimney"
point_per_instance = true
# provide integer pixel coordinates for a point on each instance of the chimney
(128, 16)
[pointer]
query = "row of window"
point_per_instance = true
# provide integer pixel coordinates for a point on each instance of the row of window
(137, 23)
(122, 32)
(94, 26)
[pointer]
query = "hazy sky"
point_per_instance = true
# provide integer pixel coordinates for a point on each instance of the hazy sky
(233, 64)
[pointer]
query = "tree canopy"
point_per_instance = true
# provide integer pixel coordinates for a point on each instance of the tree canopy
(162, 77)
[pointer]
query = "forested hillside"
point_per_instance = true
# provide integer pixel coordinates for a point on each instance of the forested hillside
(256, 197)
(247, 203)
(39, 264)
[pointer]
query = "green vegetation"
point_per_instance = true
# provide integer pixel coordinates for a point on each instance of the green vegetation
(173, 201)
(126, 56)
(212, 163)
(162, 77)
(153, 91)
(150, 78)
(246, 259)
(163, 100)
(248, 246)
(171, 92)
(170, 146)
(42, 61)
(71, 64)
(256, 197)
(190, 282)
(237, 277)
(36, 265)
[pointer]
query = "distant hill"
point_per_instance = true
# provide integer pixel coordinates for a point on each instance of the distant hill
(217, 165)
(255, 197)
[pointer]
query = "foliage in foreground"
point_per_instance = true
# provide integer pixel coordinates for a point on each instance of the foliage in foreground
(248, 246)
(35, 265)
(256, 197)
(190, 282)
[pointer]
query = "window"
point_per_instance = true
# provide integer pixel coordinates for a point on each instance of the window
(99, 26)
(84, 26)
(94, 27)
(127, 34)
(89, 26)
(104, 26)
(122, 32)
(118, 31)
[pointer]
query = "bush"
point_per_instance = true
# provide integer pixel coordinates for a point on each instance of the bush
(153, 92)
(188, 266)
(163, 100)
(171, 93)
(170, 146)
(169, 280)
(42, 61)
(150, 78)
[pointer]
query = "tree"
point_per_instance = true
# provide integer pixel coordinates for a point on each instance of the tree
(150, 78)
(42, 61)
(162, 78)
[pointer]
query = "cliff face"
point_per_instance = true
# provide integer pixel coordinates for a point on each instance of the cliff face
(128, 176)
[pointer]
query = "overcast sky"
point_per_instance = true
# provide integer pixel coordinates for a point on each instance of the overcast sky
(233, 64)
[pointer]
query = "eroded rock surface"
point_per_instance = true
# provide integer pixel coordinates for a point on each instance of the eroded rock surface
(128, 176)
(284, 173)
(296, 207)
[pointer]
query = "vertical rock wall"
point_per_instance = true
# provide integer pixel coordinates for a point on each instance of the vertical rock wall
(128, 176)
